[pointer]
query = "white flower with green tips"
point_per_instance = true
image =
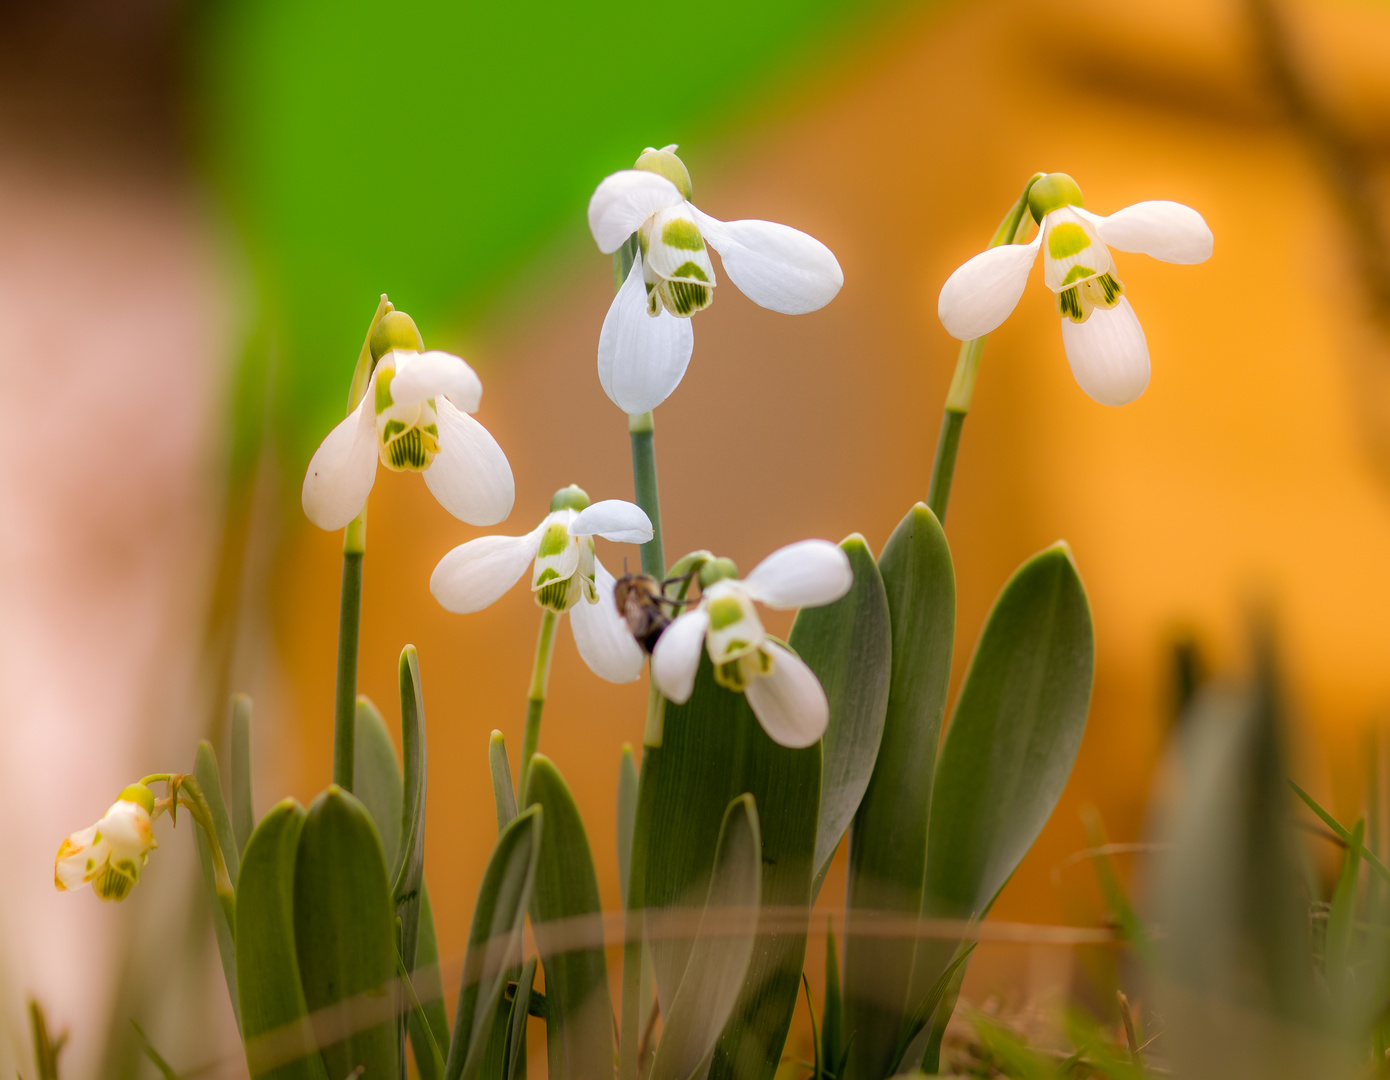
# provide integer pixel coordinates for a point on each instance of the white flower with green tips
(647, 338)
(782, 691)
(412, 418)
(566, 575)
(1104, 342)
(110, 854)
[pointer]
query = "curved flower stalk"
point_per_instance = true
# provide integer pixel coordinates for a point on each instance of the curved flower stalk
(647, 338)
(566, 576)
(782, 691)
(412, 418)
(1104, 342)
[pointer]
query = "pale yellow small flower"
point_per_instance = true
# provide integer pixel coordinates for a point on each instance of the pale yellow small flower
(110, 854)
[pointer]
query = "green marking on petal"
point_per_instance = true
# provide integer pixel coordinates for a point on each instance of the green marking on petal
(554, 541)
(1076, 273)
(683, 234)
(689, 270)
(1069, 305)
(383, 391)
(1066, 239)
(684, 297)
(724, 611)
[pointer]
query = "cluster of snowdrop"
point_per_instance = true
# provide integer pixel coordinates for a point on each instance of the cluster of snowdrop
(414, 414)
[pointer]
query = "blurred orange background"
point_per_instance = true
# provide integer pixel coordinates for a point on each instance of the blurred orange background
(1256, 466)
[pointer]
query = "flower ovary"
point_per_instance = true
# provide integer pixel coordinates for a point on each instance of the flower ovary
(665, 163)
(1053, 191)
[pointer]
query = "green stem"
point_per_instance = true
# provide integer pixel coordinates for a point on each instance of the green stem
(535, 700)
(963, 382)
(642, 430)
(349, 627)
(189, 795)
(631, 1026)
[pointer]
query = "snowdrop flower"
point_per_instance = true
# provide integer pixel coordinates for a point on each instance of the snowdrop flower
(647, 339)
(565, 575)
(1104, 343)
(110, 854)
(412, 418)
(782, 691)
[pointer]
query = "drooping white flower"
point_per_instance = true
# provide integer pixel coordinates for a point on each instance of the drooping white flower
(565, 575)
(1104, 342)
(412, 418)
(782, 691)
(647, 338)
(110, 854)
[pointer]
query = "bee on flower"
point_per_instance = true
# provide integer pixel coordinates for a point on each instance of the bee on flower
(782, 690)
(646, 340)
(110, 854)
(412, 418)
(1104, 342)
(566, 575)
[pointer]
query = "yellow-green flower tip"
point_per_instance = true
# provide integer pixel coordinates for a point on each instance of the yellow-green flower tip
(665, 163)
(138, 794)
(573, 497)
(717, 570)
(395, 330)
(1053, 191)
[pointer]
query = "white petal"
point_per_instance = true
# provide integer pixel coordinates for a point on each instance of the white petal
(343, 468)
(641, 359)
(805, 574)
(789, 701)
(1166, 230)
(470, 475)
(420, 376)
(1108, 354)
(476, 574)
(613, 519)
(623, 201)
(676, 658)
(774, 265)
(602, 636)
(984, 291)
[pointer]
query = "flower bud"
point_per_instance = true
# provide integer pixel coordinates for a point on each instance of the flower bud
(1052, 192)
(395, 330)
(717, 570)
(664, 162)
(573, 497)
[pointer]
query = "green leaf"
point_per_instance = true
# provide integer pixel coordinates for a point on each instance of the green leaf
(888, 837)
(274, 1012)
(376, 777)
(503, 794)
(714, 973)
(408, 869)
(1342, 915)
(156, 1058)
(1342, 833)
(1121, 910)
(494, 940)
(205, 771)
(848, 645)
(712, 751)
(243, 807)
(344, 934)
(377, 783)
(579, 1013)
(627, 816)
(832, 1046)
(1013, 736)
(516, 1037)
(924, 1009)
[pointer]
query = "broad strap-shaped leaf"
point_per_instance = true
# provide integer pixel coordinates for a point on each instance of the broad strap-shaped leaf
(408, 869)
(274, 1014)
(377, 783)
(888, 838)
(714, 973)
(243, 810)
(494, 940)
(713, 750)
(376, 779)
(627, 816)
(205, 771)
(344, 936)
(566, 917)
(503, 794)
(848, 645)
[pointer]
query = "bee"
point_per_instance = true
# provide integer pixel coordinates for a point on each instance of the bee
(642, 603)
